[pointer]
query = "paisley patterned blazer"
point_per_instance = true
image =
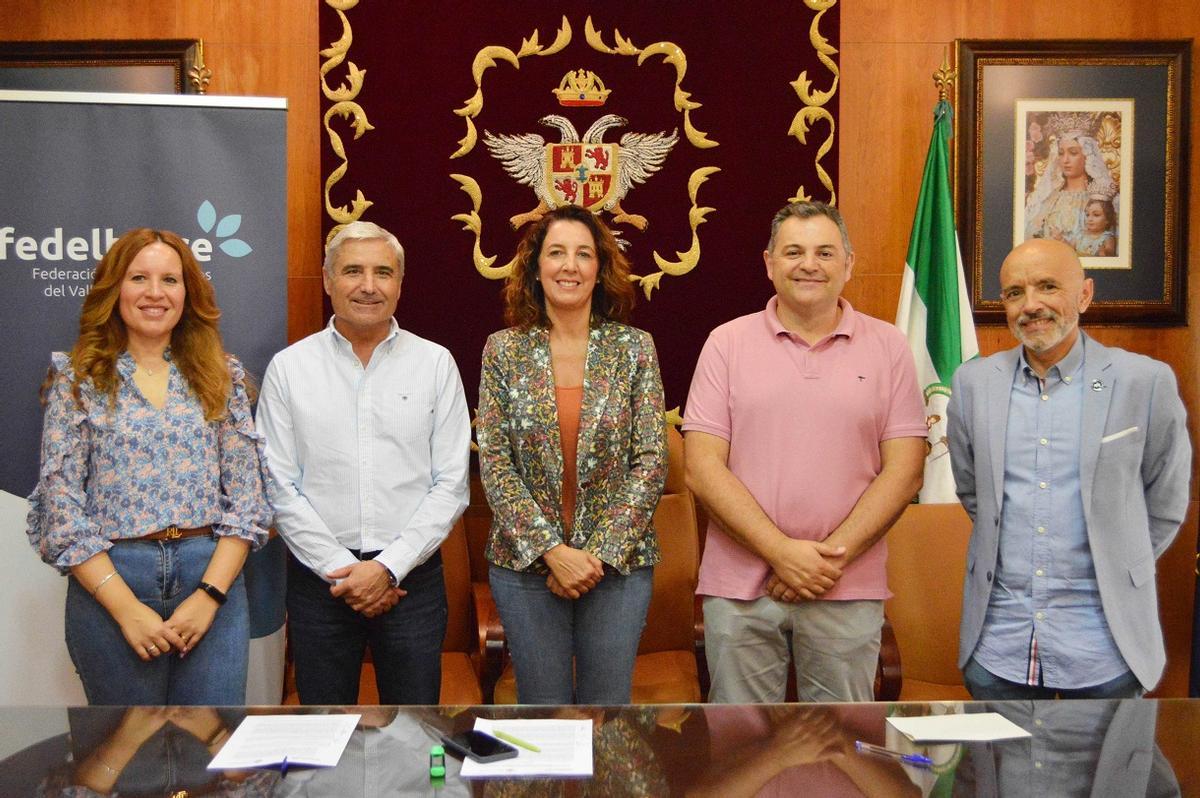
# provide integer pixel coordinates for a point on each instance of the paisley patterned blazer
(621, 463)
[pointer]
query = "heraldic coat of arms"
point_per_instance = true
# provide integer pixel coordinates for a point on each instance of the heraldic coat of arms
(583, 171)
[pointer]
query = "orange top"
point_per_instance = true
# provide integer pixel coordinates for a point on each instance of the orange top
(569, 401)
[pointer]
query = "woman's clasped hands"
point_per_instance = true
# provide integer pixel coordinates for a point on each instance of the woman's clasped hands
(573, 572)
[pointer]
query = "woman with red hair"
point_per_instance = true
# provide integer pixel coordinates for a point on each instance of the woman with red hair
(151, 488)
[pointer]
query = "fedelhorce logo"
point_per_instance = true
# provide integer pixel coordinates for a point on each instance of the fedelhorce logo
(206, 217)
(65, 262)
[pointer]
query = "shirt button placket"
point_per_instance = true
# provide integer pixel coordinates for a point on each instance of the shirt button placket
(366, 420)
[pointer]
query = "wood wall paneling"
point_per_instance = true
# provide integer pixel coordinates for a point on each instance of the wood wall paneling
(889, 52)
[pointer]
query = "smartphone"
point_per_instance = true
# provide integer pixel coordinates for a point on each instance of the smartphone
(478, 746)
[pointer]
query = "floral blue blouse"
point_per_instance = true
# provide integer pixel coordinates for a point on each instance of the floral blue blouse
(123, 471)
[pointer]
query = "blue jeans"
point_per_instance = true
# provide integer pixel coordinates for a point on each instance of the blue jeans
(161, 573)
(600, 631)
(171, 761)
(986, 686)
(329, 639)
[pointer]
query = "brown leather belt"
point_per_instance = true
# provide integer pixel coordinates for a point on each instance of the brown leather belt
(177, 532)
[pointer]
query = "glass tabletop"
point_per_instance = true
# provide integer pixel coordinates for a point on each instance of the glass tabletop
(1117, 748)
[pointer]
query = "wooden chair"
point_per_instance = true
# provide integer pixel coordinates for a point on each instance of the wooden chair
(927, 554)
(1176, 579)
(462, 657)
(478, 521)
(665, 671)
(927, 560)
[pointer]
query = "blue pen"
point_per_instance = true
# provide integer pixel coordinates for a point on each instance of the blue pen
(917, 760)
(283, 768)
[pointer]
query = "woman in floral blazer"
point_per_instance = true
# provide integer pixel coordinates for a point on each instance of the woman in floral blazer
(573, 458)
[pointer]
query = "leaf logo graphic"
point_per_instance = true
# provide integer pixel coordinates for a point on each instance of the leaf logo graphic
(206, 216)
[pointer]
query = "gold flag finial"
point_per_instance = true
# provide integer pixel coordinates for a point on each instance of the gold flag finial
(944, 78)
(199, 74)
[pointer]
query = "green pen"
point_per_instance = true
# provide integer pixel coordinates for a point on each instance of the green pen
(508, 738)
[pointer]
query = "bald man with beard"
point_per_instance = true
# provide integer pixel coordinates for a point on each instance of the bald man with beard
(1073, 461)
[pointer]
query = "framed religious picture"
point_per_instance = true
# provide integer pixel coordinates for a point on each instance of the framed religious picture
(1084, 142)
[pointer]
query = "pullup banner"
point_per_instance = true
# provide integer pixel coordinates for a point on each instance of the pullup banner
(79, 170)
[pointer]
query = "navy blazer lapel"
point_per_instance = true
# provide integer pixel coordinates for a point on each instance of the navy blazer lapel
(1098, 390)
(999, 392)
(597, 381)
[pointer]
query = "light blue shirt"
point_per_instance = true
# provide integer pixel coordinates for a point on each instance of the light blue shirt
(1045, 623)
(365, 458)
(1062, 754)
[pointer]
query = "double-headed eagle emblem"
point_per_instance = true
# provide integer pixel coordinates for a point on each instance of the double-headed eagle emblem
(586, 172)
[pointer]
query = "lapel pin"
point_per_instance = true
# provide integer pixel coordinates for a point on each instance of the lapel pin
(1097, 386)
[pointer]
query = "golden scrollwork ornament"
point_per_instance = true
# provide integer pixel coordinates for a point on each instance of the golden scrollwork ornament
(814, 102)
(344, 106)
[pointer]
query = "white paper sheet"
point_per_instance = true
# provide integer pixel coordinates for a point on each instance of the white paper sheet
(973, 727)
(566, 749)
(266, 740)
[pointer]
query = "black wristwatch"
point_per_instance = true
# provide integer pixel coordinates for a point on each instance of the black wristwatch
(212, 591)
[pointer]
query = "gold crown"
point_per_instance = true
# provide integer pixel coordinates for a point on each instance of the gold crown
(1102, 191)
(1069, 124)
(581, 88)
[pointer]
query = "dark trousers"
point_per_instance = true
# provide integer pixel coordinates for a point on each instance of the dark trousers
(329, 639)
(986, 686)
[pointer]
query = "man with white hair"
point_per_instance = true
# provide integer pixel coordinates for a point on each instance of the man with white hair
(368, 439)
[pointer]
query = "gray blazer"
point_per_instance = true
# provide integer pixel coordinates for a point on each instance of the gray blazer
(1129, 764)
(1134, 469)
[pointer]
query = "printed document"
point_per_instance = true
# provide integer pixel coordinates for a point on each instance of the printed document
(566, 749)
(273, 741)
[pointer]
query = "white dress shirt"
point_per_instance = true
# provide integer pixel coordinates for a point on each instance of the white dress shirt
(390, 760)
(371, 459)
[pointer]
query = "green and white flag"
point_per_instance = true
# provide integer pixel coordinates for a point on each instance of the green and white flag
(934, 310)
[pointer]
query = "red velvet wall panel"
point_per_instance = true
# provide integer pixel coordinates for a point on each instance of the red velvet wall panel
(763, 78)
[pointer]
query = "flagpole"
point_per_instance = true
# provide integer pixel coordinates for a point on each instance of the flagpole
(945, 77)
(934, 311)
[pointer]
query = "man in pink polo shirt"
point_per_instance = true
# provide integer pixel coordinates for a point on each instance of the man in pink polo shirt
(805, 441)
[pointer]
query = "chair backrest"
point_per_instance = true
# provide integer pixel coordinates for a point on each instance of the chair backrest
(478, 522)
(461, 633)
(1176, 581)
(669, 622)
(926, 564)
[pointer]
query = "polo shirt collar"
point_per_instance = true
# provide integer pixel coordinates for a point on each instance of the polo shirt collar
(845, 327)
